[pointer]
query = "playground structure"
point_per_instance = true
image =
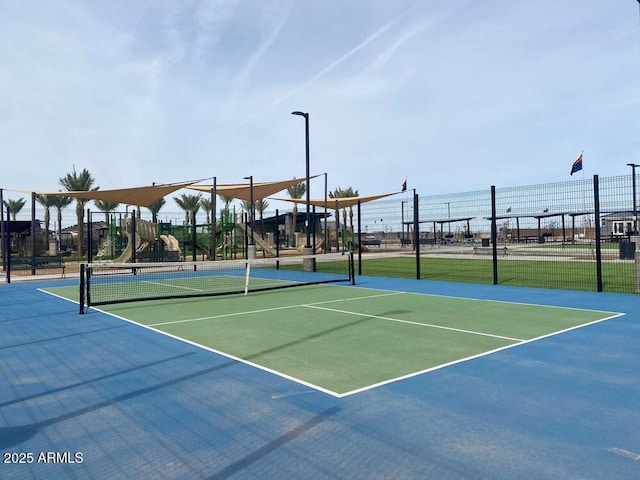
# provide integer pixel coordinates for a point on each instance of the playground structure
(146, 236)
(123, 239)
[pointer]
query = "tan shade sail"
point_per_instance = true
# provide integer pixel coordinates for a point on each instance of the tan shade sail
(139, 196)
(242, 191)
(343, 202)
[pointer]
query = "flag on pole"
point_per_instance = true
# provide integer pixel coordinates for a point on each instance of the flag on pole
(404, 186)
(577, 165)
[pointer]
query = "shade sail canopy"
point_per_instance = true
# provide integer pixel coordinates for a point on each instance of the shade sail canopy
(338, 203)
(242, 191)
(139, 196)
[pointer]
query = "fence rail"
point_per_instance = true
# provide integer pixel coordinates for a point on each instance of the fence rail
(577, 235)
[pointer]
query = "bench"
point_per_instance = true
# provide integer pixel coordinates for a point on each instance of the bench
(478, 250)
(370, 243)
(38, 263)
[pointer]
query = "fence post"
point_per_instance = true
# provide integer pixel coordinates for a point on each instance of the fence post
(359, 239)
(7, 247)
(82, 287)
(596, 207)
(33, 233)
(494, 235)
(416, 232)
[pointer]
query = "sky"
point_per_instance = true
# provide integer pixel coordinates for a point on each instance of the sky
(452, 96)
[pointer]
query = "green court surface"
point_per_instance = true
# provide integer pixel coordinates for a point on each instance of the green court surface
(343, 340)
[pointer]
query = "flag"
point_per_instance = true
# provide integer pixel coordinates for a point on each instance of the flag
(577, 165)
(404, 186)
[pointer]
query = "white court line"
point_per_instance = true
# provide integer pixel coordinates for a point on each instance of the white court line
(271, 309)
(173, 286)
(429, 325)
(375, 385)
(473, 357)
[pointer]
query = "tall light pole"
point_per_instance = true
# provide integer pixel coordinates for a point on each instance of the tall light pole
(251, 205)
(306, 129)
(633, 186)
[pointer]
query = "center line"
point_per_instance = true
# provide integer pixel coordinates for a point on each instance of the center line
(471, 332)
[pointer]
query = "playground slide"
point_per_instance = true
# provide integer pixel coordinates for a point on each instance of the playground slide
(128, 252)
(259, 241)
(145, 236)
(171, 242)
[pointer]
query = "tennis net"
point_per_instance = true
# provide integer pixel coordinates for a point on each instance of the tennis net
(108, 283)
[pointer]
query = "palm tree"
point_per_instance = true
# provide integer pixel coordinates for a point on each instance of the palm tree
(205, 203)
(295, 192)
(225, 213)
(345, 193)
(190, 204)
(261, 205)
(155, 207)
(106, 207)
(47, 201)
(82, 181)
(15, 206)
(60, 202)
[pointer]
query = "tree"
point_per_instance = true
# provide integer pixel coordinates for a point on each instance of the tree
(47, 202)
(155, 207)
(106, 207)
(205, 203)
(261, 205)
(295, 192)
(345, 193)
(15, 206)
(190, 204)
(79, 182)
(60, 202)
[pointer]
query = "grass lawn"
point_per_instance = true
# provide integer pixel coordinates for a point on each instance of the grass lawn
(573, 275)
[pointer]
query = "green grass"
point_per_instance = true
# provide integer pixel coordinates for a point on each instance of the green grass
(573, 275)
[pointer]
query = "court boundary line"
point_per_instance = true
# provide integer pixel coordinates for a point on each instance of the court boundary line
(385, 382)
(510, 302)
(410, 322)
(479, 355)
(270, 309)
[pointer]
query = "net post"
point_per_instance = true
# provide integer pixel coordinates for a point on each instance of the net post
(352, 275)
(82, 289)
(246, 278)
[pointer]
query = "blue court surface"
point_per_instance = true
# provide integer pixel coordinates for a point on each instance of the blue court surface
(97, 397)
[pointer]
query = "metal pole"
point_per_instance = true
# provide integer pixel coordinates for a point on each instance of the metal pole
(596, 206)
(308, 189)
(633, 186)
(3, 230)
(327, 244)
(213, 248)
(359, 239)
(494, 235)
(33, 233)
(416, 232)
(8, 245)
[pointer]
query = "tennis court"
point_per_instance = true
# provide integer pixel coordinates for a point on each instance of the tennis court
(343, 340)
(389, 378)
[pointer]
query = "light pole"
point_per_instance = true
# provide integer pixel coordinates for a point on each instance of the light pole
(251, 205)
(633, 186)
(308, 199)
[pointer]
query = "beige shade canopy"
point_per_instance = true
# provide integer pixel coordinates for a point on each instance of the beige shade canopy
(342, 202)
(242, 191)
(139, 196)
